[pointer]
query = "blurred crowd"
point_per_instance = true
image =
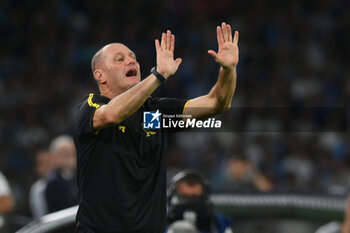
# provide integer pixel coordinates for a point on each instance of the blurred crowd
(292, 53)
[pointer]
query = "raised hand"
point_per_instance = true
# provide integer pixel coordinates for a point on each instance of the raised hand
(166, 65)
(227, 55)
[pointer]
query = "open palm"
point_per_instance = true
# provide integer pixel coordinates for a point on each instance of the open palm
(166, 64)
(227, 55)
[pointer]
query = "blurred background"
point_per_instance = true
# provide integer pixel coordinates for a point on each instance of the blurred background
(292, 53)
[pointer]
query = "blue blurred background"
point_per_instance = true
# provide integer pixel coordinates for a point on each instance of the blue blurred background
(292, 53)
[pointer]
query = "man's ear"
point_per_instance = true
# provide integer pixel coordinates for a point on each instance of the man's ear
(100, 78)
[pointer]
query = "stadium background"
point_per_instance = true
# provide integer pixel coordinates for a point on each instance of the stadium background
(291, 53)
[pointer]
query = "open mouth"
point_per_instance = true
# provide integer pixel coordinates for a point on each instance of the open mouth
(131, 73)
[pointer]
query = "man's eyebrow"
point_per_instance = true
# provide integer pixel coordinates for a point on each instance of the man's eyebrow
(132, 54)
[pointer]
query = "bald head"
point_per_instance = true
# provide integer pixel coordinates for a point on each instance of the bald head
(97, 59)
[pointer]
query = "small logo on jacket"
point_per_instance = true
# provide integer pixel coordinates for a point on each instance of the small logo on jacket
(151, 120)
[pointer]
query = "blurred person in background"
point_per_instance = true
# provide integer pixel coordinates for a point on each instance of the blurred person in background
(121, 166)
(61, 190)
(189, 201)
(241, 175)
(43, 169)
(182, 226)
(6, 201)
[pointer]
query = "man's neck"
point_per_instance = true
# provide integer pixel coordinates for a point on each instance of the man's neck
(109, 93)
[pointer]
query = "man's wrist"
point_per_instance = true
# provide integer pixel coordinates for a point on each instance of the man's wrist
(159, 76)
(228, 68)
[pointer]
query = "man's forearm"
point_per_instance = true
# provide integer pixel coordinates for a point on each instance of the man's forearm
(125, 104)
(217, 100)
(224, 88)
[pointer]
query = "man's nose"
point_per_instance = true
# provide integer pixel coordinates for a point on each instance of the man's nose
(130, 60)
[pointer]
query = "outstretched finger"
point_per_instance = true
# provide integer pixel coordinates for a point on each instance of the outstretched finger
(168, 39)
(235, 38)
(229, 31)
(158, 49)
(172, 43)
(163, 42)
(178, 61)
(224, 31)
(213, 54)
(219, 36)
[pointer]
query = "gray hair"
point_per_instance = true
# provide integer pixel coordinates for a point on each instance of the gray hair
(95, 59)
(59, 141)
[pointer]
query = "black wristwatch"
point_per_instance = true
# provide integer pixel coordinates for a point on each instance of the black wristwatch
(158, 75)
